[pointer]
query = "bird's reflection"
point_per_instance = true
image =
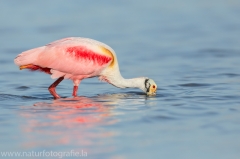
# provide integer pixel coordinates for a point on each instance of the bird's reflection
(77, 122)
(78, 109)
(68, 121)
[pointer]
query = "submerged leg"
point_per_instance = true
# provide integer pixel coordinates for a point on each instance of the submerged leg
(53, 86)
(75, 87)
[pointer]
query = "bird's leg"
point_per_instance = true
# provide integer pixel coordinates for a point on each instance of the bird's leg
(75, 87)
(53, 86)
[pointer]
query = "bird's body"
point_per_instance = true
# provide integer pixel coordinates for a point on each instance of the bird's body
(77, 58)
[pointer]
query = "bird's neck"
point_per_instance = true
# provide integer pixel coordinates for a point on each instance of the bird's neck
(114, 77)
(130, 83)
(118, 81)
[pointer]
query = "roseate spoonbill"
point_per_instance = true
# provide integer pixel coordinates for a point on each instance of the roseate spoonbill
(78, 58)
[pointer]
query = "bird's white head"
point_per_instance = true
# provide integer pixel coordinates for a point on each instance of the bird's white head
(150, 87)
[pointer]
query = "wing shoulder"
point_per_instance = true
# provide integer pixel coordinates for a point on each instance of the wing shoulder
(76, 55)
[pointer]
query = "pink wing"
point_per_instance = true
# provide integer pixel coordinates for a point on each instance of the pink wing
(70, 57)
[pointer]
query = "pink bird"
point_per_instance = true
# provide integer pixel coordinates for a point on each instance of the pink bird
(78, 58)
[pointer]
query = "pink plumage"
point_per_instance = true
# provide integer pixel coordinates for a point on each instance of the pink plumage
(78, 58)
(69, 58)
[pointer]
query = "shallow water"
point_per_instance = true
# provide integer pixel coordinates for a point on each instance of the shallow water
(191, 49)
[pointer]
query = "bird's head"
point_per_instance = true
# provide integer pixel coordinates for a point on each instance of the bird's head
(150, 87)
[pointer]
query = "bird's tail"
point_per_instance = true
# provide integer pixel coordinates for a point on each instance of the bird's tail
(28, 57)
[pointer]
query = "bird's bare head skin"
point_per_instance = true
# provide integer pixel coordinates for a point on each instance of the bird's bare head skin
(150, 87)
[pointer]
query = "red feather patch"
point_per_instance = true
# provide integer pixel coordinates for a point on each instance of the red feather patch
(32, 67)
(80, 52)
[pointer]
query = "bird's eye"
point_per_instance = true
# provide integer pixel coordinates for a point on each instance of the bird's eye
(154, 86)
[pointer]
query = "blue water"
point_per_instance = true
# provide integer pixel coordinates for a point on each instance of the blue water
(191, 49)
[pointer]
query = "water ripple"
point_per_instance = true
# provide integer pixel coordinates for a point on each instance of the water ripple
(157, 118)
(229, 74)
(17, 97)
(194, 85)
(22, 88)
(219, 52)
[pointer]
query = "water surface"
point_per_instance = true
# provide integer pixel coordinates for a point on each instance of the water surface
(191, 49)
